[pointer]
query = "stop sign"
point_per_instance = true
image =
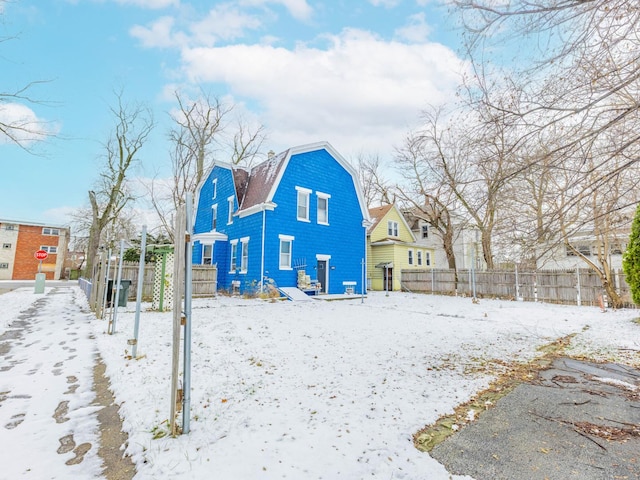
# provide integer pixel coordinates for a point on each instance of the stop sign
(41, 254)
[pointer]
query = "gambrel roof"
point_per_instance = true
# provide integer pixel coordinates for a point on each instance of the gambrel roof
(256, 188)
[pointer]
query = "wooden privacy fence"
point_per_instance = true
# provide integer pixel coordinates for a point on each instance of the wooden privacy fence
(570, 287)
(204, 280)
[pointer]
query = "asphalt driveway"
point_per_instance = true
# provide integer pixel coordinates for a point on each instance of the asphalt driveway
(577, 420)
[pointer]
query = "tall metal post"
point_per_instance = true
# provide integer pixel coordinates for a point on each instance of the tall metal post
(178, 277)
(188, 291)
(115, 301)
(106, 284)
(136, 324)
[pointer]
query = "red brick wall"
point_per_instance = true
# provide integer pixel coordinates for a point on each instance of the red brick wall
(30, 239)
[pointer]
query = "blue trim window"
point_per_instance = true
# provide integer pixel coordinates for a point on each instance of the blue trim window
(207, 254)
(230, 217)
(234, 256)
(303, 204)
(286, 247)
(244, 256)
(323, 208)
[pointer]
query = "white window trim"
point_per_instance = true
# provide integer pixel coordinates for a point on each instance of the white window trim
(419, 258)
(393, 228)
(54, 232)
(230, 204)
(326, 197)
(245, 242)
(302, 190)
(290, 239)
(214, 216)
(410, 258)
(215, 188)
(233, 243)
(49, 249)
(203, 257)
(427, 259)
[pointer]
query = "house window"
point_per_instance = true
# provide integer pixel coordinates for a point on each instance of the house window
(427, 258)
(323, 208)
(244, 261)
(570, 252)
(50, 231)
(10, 226)
(207, 254)
(419, 257)
(410, 252)
(425, 231)
(616, 249)
(286, 243)
(392, 228)
(49, 249)
(230, 217)
(4, 265)
(6, 246)
(214, 217)
(214, 187)
(585, 250)
(303, 203)
(234, 256)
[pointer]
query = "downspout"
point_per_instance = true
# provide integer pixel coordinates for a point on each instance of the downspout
(264, 215)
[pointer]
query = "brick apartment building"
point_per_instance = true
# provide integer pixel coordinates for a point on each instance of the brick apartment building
(20, 240)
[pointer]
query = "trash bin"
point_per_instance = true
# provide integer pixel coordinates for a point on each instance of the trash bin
(123, 294)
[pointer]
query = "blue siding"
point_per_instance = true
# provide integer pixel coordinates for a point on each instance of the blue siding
(343, 239)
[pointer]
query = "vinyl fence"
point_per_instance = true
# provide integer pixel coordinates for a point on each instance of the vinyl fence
(570, 287)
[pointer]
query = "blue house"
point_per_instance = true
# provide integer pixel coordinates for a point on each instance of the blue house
(297, 220)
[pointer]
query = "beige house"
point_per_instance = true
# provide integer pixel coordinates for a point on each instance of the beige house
(392, 247)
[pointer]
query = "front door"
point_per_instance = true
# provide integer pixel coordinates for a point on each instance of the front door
(388, 279)
(322, 275)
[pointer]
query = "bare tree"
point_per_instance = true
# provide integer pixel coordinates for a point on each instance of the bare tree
(424, 195)
(583, 78)
(133, 125)
(198, 135)
(377, 189)
(18, 124)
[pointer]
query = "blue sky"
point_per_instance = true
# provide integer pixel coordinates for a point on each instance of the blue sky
(355, 73)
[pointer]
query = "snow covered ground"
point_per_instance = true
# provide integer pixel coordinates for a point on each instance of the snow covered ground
(302, 390)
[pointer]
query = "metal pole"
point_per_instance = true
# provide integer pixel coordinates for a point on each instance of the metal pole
(178, 265)
(362, 288)
(136, 325)
(188, 290)
(118, 287)
(106, 284)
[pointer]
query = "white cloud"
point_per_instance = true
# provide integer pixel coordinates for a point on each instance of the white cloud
(224, 22)
(360, 93)
(298, 9)
(23, 125)
(416, 30)
(159, 34)
(385, 3)
(152, 4)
